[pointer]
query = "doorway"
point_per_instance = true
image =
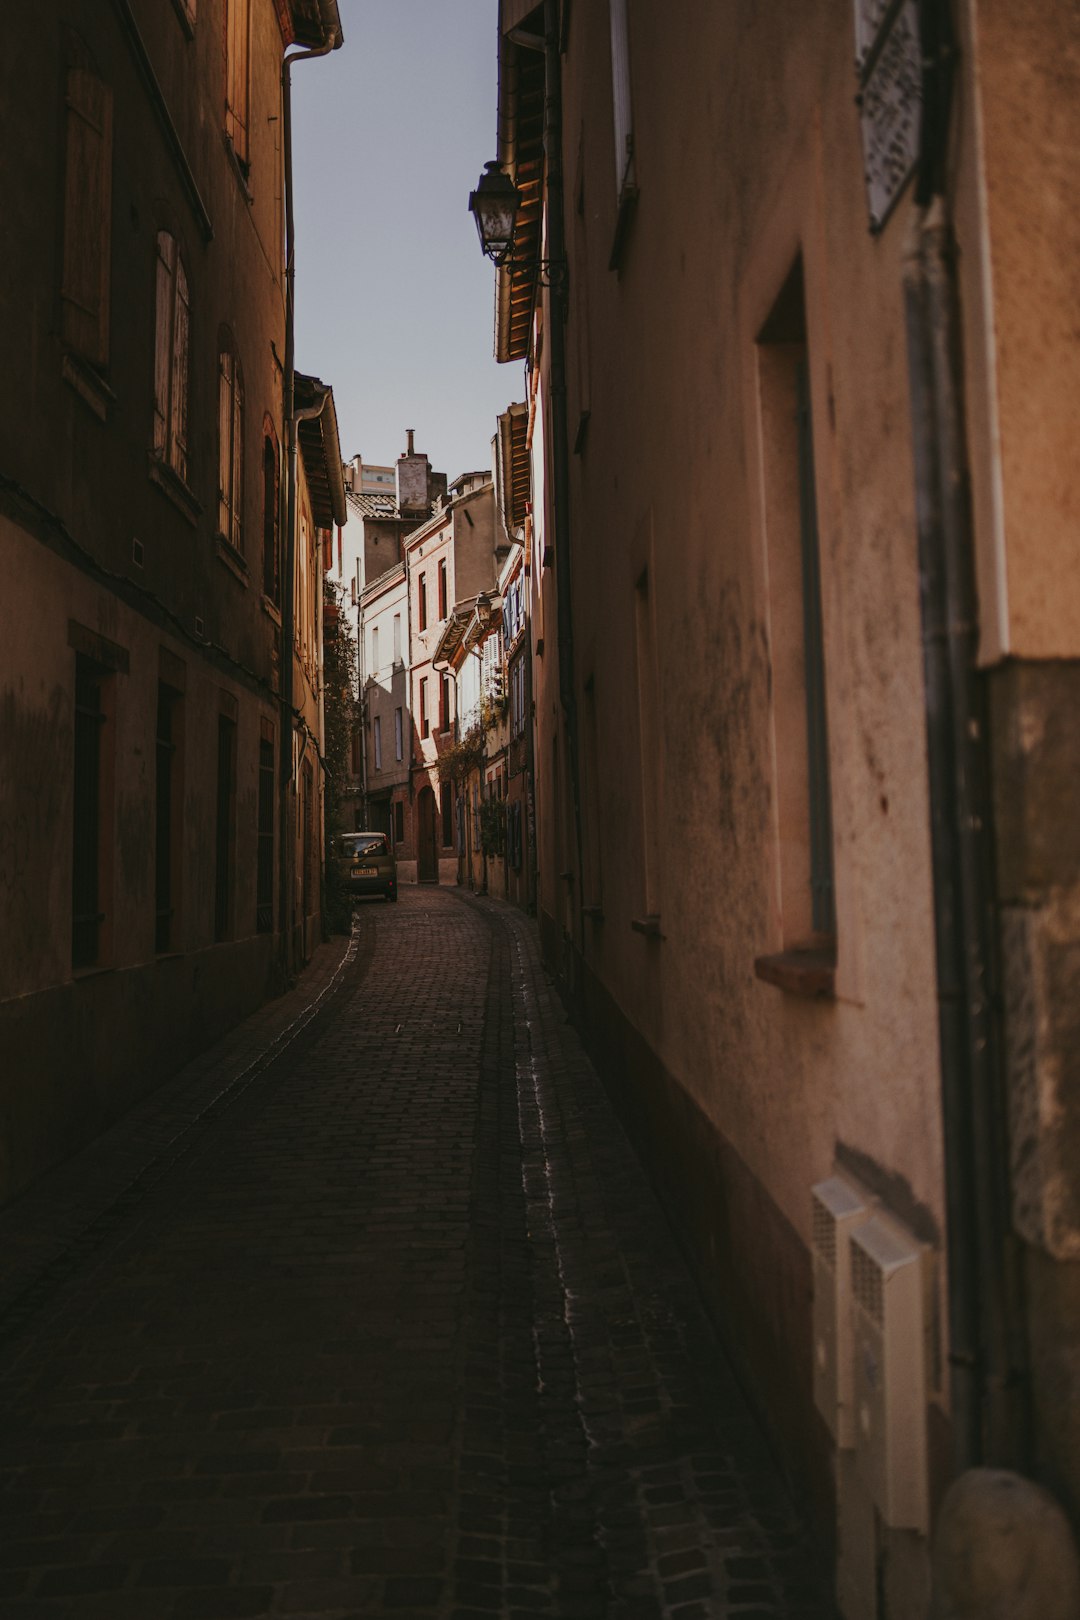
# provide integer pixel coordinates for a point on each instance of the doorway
(427, 851)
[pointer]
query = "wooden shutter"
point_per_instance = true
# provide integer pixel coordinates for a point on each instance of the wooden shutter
(179, 391)
(164, 308)
(236, 533)
(224, 430)
(87, 216)
(236, 99)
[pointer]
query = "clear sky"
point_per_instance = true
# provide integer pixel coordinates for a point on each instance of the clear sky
(395, 302)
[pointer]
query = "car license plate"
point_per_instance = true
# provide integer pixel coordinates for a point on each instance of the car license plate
(365, 871)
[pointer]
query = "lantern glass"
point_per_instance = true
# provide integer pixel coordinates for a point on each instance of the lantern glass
(494, 205)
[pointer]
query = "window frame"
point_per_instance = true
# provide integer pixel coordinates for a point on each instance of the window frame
(85, 285)
(230, 512)
(172, 356)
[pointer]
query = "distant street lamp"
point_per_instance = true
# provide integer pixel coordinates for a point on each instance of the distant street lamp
(494, 205)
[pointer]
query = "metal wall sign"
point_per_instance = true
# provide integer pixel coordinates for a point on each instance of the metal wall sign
(889, 61)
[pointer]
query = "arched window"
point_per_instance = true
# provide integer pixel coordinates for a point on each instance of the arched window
(171, 346)
(231, 449)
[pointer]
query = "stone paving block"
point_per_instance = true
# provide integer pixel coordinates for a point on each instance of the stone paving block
(401, 1329)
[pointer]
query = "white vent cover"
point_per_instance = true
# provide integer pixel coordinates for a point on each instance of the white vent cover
(839, 1207)
(889, 1275)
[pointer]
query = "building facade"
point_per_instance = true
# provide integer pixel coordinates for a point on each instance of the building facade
(452, 557)
(804, 824)
(144, 751)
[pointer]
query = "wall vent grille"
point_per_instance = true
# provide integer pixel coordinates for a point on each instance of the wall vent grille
(867, 1283)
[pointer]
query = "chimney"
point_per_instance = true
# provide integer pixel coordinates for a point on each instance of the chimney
(413, 473)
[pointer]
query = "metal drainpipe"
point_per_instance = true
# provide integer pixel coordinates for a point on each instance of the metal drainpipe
(560, 456)
(988, 1388)
(286, 814)
(361, 681)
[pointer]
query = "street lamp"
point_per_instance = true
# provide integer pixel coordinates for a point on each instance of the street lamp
(494, 205)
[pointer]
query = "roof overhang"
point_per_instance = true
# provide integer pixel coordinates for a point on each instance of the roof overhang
(521, 154)
(314, 24)
(320, 449)
(485, 616)
(451, 642)
(515, 468)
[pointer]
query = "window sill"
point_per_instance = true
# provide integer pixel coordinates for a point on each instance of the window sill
(649, 926)
(91, 388)
(594, 913)
(271, 610)
(807, 971)
(233, 560)
(172, 486)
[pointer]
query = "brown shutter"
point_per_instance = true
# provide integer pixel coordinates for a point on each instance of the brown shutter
(224, 430)
(165, 300)
(236, 533)
(181, 330)
(87, 216)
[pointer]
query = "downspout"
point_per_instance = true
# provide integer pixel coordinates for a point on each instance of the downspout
(361, 679)
(986, 1344)
(560, 459)
(287, 806)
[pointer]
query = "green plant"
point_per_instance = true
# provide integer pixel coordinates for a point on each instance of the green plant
(493, 827)
(456, 761)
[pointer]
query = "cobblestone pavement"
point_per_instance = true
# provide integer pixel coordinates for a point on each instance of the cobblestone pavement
(373, 1313)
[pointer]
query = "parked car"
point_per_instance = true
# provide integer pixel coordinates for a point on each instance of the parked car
(367, 863)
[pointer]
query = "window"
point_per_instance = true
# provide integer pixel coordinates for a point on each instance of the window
(264, 878)
(423, 708)
(518, 707)
(422, 602)
(442, 589)
(172, 337)
(796, 629)
(88, 812)
(447, 816)
(237, 36)
(375, 650)
(399, 739)
(169, 803)
(399, 822)
(378, 743)
(225, 826)
(230, 449)
(444, 703)
(271, 521)
(87, 217)
(397, 640)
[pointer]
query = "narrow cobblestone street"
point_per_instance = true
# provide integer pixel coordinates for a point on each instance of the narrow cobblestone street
(372, 1311)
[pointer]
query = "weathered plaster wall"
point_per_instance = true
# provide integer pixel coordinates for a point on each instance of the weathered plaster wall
(80, 1048)
(751, 1092)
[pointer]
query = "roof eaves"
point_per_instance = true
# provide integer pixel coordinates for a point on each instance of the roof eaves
(521, 153)
(320, 448)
